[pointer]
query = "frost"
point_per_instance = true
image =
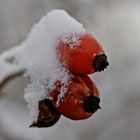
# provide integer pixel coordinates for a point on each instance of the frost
(37, 54)
(73, 40)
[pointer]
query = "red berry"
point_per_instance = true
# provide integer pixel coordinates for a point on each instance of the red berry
(81, 99)
(84, 57)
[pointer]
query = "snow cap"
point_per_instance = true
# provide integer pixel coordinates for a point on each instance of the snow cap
(38, 55)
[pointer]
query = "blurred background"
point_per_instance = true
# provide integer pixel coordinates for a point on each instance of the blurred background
(116, 24)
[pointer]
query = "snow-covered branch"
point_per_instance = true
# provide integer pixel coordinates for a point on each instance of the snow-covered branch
(9, 69)
(50, 56)
(36, 57)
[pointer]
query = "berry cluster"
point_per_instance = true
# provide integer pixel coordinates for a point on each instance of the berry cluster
(82, 97)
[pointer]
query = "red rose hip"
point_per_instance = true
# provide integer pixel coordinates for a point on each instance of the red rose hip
(82, 54)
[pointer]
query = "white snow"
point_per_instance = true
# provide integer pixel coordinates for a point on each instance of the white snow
(37, 54)
(73, 40)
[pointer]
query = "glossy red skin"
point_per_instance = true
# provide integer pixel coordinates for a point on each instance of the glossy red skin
(79, 60)
(71, 105)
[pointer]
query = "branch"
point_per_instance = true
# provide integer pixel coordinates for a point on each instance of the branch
(9, 69)
(10, 76)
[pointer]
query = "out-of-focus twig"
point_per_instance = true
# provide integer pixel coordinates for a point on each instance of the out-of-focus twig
(9, 77)
(9, 70)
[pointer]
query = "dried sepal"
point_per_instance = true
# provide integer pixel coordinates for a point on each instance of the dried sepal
(48, 115)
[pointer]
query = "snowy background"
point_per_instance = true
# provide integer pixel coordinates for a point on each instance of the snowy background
(117, 25)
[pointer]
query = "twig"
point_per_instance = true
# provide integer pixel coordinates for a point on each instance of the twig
(9, 77)
(9, 68)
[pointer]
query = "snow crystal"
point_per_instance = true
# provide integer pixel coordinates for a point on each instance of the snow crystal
(38, 55)
(73, 40)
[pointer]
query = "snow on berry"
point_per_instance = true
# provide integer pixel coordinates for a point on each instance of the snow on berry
(37, 55)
